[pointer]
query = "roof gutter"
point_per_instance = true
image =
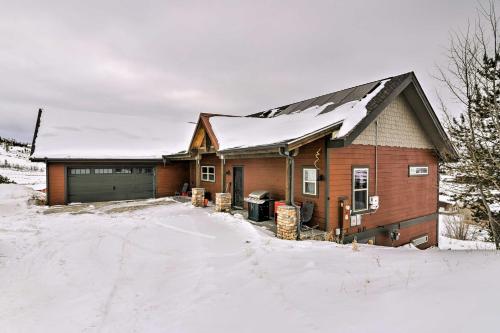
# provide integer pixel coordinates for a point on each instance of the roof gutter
(265, 149)
(183, 156)
(96, 160)
(328, 130)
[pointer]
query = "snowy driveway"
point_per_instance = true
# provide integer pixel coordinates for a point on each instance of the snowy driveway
(172, 268)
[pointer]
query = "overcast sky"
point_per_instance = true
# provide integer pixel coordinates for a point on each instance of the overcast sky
(174, 59)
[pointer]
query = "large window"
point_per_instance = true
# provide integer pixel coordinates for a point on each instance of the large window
(309, 181)
(360, 189)
(208, 173)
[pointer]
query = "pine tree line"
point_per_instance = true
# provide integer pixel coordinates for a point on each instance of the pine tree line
(13, 142)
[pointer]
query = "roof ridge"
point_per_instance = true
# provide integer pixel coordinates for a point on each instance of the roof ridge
(256, 114)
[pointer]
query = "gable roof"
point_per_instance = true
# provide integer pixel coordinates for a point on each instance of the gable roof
(346, 112)
(95, 135)
(302, 119)
(407, 85)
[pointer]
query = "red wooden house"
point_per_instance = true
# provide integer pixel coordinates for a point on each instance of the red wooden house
(366, 156)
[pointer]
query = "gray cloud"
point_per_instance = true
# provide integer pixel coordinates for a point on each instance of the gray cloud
(179, 58)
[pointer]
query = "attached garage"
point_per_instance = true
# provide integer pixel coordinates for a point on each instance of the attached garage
(106, 183)
(104, 156)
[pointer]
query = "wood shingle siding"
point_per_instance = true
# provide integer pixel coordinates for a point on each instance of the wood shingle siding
(398, 126)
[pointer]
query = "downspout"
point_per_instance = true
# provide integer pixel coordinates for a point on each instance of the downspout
(291, 185)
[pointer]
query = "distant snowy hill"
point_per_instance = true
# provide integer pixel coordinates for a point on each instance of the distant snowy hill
(15, 165)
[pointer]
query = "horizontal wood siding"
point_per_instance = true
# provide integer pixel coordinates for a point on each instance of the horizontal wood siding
(57, 184)
(260, 174)
(412, 232)
(401, 197)
(306, 158)
(171, 177)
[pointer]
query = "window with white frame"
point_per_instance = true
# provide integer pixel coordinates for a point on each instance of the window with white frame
(208, 173)
(360, 189)
(418, 170)
(310, 181)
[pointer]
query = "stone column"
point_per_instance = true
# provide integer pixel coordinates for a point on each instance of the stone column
(222, 202)
(287, 223)
(198, 196)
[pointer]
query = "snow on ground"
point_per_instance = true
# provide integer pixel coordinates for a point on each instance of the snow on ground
(16, 166)
(162, 266)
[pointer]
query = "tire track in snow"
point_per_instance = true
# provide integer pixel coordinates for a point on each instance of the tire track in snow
(112, 293)
(184, 231)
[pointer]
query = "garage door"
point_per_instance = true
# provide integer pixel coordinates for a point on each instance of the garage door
(110, 183)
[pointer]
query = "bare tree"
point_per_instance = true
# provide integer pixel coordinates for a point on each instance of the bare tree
(473, 78)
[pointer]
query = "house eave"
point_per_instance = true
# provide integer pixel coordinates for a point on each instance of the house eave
(263, 149)
(308, 138)
(179, 157)
(96, 160)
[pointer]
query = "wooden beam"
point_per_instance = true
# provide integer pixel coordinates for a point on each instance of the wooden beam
(198, 171)
(222, 175)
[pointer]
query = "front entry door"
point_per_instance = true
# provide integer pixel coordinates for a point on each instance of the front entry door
(238, 187)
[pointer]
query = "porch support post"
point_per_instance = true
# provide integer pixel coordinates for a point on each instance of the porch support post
(198, 170)
(222, 174)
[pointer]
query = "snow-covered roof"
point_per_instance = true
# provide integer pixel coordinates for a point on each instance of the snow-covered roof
(96, 135)
(244, 132)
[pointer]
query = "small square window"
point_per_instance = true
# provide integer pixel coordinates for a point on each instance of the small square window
(208, 173)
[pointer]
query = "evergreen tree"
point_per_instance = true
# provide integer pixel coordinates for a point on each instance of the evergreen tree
(5, 180)
(474, 79)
